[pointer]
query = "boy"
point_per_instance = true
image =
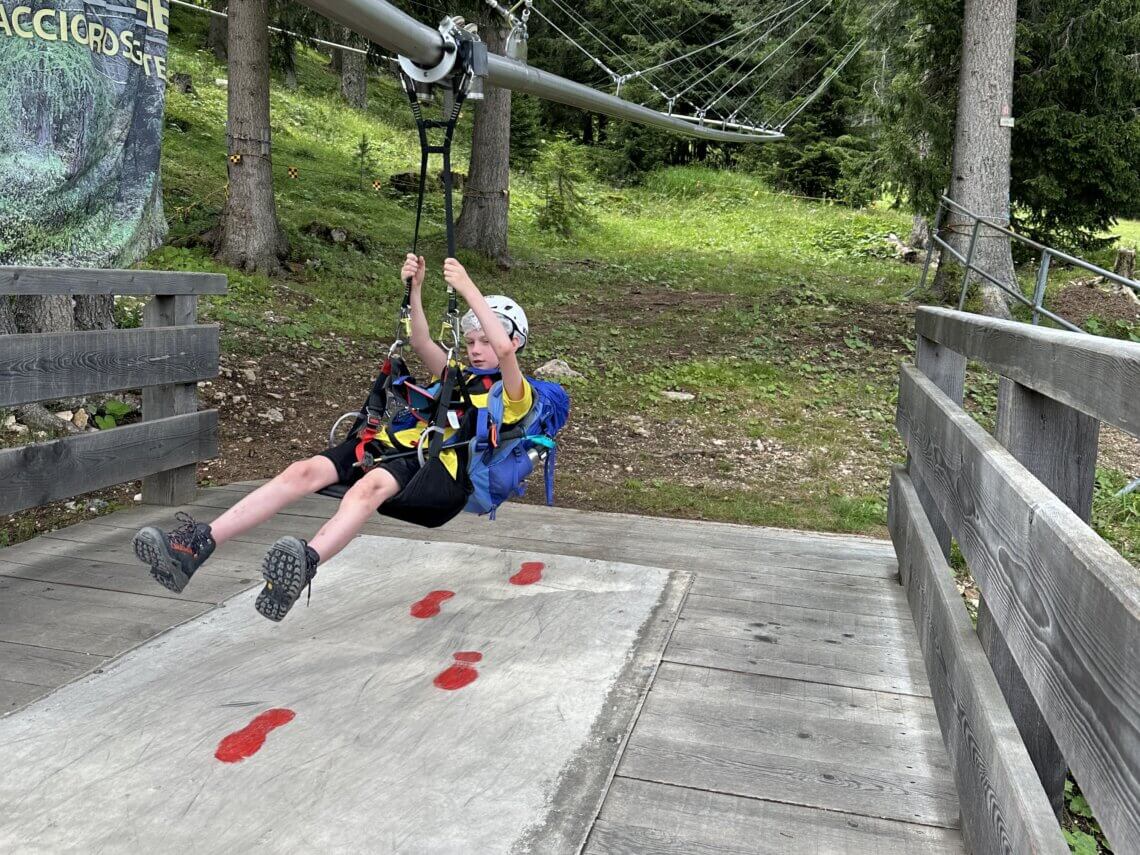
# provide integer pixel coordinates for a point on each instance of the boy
(494, 329)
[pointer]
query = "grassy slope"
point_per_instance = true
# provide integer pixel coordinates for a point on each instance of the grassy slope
(765, 307)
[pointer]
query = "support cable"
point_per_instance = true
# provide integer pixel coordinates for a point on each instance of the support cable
(720, 41)
(617, 79)
(772, 53)
(215, 13)
(747, 48)
(828, 79)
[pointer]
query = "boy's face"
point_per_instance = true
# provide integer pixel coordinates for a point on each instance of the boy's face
(480, 354)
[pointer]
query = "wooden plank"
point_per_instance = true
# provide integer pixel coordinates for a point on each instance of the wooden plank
(208, 588)
(822, 700)
(84, 620)
(89, 281)
(1098, 376)
(1004, 808)
(1067, 604)
(177, 485)
(239, 559)
(42, 472)
(820, 663)
(569, 524)
(758, 773)
(648, 544)
(886, 636)
(42, 666)
(47, 366)
(726, 721)
(946, 370)
(14, 695)
(794, 592)
(645, 818)
(1059, 446)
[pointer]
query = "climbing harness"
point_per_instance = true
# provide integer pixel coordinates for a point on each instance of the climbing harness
(497, 460)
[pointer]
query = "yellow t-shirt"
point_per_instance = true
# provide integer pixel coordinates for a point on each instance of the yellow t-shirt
(513, 411)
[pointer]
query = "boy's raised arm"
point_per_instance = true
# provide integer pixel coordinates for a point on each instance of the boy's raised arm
(513, 381)
(430, 353)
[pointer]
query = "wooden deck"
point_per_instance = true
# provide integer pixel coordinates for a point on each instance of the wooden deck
(790, 711)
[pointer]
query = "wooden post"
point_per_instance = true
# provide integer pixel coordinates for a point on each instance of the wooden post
(175, 486)
(947, 370)
(1058, 445)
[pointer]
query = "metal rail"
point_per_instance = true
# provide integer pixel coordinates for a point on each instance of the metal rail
(390, 28)
(1048, 254)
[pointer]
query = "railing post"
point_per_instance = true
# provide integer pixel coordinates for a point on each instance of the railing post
(947, 370)
(175, 486)
(931, 244)
(969, 264)
(1058, 445)
(1042, 284)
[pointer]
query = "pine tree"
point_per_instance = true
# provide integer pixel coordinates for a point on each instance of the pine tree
(251, 238)
(482, 225)
(1077, 143)
(1076, 93)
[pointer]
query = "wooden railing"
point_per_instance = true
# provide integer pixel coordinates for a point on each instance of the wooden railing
(166, 357)
(1051, 679)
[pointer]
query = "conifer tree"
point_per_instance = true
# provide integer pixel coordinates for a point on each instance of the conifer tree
(250, 236)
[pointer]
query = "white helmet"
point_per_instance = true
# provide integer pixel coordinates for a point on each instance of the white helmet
(509, 312)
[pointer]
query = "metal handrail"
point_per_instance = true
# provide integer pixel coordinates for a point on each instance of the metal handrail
(1037, 304)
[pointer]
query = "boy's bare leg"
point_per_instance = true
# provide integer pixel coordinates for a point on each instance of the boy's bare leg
(358, 504)
(174, 556)
(296, 481)
(291, 564)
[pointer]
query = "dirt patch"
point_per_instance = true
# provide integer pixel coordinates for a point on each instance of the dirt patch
(1081, 301)
(642, 305)
(1120, 451)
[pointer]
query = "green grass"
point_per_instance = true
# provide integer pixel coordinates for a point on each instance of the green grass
(1128, 231)
(780, 315)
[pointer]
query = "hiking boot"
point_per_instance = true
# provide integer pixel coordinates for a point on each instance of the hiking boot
(174, 556)
(288, 568)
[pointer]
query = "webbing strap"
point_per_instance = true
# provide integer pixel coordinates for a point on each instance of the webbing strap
(459, 95)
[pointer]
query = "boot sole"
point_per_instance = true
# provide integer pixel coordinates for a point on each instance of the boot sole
(150, 548)
(284, 570)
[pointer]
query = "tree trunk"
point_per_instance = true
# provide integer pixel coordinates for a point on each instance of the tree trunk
(251, 238)
(981, 165)
(216, 36)
(7, 319)
(919, 232)
(353, 72)
(44, 314)
(1125, 263)
(291, 65)
(335, 33)
(486, 196)
(95, 313)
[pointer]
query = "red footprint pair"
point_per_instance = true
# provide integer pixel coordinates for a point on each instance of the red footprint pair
(246, 742)
(462, 672)
(529, 573)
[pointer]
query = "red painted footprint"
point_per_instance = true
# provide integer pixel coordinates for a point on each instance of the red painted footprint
(248, 741)
(530, 573)
(461, 674)
(429, 605)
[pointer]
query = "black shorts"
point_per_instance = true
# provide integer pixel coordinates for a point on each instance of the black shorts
(433, 500)
(343, 457)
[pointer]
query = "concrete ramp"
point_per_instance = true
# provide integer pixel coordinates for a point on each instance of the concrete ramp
(435, 698)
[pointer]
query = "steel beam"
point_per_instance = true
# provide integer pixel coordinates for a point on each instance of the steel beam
(390, 28)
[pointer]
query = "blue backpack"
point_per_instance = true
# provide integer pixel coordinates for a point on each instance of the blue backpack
(499, 462)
